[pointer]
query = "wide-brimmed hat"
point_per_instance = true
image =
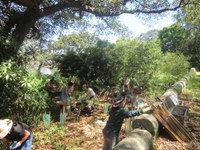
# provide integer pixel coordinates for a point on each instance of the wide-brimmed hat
(5, 126)
(118, 101)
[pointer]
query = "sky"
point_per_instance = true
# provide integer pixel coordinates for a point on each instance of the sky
(138, 26)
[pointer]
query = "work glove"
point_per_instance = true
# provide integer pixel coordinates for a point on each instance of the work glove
(15, 145)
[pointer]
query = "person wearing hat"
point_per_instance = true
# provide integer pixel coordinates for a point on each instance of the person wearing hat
(17, 132)
(117, 114)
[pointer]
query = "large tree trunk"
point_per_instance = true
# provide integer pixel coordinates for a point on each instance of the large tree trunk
(138, 139)
(148, 122)
(14, 33)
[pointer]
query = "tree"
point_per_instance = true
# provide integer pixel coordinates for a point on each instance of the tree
(30, 19)
(150, 35)
(74, 42)
(96, 65)
(178, 38)
(194, 50)
(141, 60)
(189, 18)
(21, 93)
(173, 38)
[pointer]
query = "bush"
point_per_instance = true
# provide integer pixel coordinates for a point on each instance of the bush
(21, 95)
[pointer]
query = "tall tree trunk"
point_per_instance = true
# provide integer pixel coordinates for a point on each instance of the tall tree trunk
(14, 33)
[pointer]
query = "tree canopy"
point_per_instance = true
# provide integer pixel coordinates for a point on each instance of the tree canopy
(21, 19)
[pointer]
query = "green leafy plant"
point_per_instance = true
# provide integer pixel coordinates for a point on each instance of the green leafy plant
(21, 93)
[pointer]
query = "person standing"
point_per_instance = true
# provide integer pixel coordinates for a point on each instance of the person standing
(67, 92)
(51, 87)
(116, 117)
(17, 132)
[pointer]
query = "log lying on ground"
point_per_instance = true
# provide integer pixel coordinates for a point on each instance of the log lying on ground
(176, 88)
(170, 97)
(138, 139)
(147, 122)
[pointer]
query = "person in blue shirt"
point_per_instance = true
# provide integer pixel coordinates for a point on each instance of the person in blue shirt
(113, 126)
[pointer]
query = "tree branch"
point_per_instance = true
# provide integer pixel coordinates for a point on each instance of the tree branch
(28, 3)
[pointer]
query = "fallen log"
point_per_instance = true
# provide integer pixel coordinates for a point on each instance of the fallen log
(138, 139)
(170, 96)
(147, 122)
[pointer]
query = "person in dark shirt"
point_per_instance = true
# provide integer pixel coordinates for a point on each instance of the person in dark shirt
(17, 132)
(116, 117)
(51, 87)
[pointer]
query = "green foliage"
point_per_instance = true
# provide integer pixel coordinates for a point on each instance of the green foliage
(82, 97)
(180, 38)
(173, 38)
(189, 16)
(192, 91)
(96, 15)
(139, 60)
(72, 64)
(194, 83)
(21, 93)
(74, 42)
(144, 61)
(194, 50)
(174, 66)
(93, 65)
(45, 136)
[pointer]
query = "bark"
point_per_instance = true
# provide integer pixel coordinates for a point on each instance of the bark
(170, 97)
(148, 122)
(138, 139)
(19, 24)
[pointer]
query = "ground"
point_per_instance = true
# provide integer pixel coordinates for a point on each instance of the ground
(85, 133)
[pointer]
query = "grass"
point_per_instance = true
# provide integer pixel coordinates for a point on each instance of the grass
(193, 88)
(44, 136)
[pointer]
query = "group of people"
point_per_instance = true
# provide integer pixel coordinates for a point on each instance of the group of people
(67, 92)
(21, 135)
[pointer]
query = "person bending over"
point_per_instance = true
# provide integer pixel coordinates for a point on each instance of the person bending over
(17, 132)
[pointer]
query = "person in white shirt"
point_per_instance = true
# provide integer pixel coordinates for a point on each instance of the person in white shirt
(90, 92)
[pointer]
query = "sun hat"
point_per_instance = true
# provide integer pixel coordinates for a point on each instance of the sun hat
(118, 101)
(5, 126)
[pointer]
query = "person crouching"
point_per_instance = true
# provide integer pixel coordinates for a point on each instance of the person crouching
(17, 132)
